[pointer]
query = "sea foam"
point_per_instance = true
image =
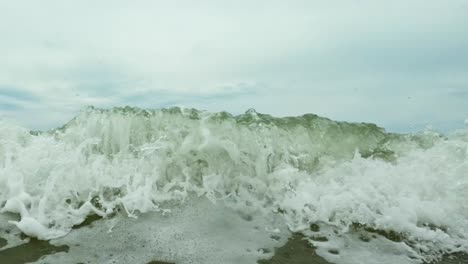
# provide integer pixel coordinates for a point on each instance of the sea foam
(370, 195)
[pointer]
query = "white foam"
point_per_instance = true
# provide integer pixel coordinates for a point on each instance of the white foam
(198, 232)
(423, 187)
(155, 162)
(9, 232)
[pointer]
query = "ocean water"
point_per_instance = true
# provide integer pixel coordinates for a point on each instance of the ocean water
(189, 186)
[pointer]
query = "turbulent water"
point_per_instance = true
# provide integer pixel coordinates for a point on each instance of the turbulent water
(357, 193)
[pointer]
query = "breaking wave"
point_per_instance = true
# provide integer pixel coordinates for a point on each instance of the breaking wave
(351, 188)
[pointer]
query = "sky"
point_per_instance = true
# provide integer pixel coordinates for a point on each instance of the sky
(402, 64)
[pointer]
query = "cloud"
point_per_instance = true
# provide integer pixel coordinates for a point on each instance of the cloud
(7, 106)
(16, 94)
(348, 60)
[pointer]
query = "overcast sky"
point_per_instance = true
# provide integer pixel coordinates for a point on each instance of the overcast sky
(402, 64)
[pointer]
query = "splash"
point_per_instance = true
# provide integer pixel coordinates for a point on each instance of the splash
(348, 187)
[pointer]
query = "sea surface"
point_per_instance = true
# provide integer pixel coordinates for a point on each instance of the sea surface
(130, 185)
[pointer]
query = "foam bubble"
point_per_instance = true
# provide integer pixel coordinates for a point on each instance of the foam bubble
(197, 232)
(352, 179)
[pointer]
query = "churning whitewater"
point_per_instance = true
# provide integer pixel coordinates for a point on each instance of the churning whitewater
(355, 191)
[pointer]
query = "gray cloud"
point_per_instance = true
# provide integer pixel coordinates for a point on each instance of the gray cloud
(401, 64)
(16, 94)
(7, 106)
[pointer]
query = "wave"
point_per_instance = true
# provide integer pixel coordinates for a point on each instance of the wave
(343, 185)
